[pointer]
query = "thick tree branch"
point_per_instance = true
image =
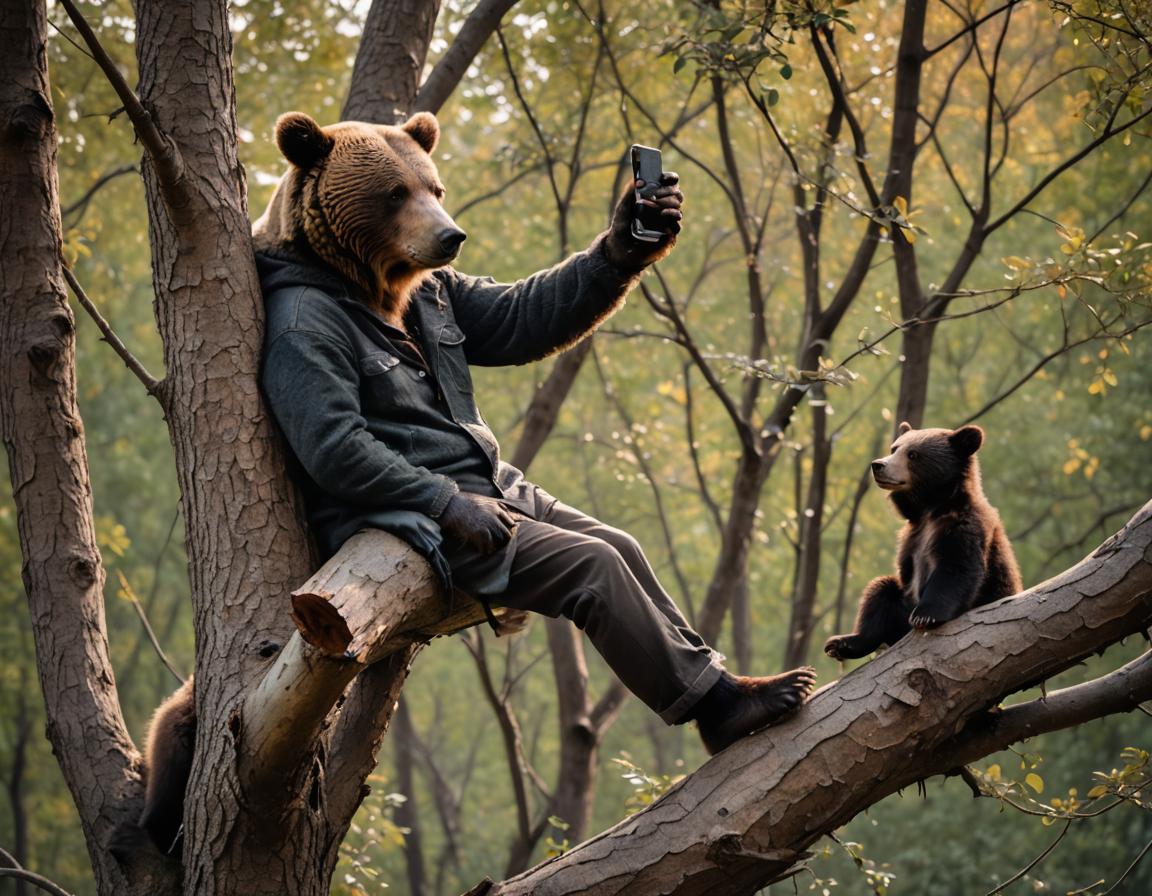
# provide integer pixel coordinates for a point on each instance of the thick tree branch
(377, 597)
(446, 74)
(390, 60)
(747, 815)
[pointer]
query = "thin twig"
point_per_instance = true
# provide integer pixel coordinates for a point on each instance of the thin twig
(80, 206)
(1036, 861)
(131, 595)
(1128, 870)
(161, 149)
(153, 385)
(42, 882)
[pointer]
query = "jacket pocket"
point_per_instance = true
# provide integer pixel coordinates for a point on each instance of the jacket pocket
(387, 387)
(377, 363)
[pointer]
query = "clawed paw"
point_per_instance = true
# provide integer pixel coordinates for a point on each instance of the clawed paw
(846, 647)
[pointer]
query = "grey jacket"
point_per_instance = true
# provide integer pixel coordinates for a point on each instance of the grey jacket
(384, 431)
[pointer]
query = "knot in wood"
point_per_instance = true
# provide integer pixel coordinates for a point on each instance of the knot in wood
(31, 119)
(84, 570)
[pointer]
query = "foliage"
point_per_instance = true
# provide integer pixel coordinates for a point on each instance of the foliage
(1042, 345)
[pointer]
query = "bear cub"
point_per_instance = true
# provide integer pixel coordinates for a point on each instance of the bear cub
(952, 554)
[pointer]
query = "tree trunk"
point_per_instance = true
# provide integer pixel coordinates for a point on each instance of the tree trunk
(246, 542)
(921, 708)
(732, 564)
(44, 439)
(390, 60)
(811, 536)
(408, 813)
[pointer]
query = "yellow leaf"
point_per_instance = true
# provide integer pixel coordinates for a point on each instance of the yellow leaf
(1016, 262)
(901, 205)
(909, 234)
(993, 772)
(1097, 791)
(1071, 466)
(1145, 432)
(1034, 781)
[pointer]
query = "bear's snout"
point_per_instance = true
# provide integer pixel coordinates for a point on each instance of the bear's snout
(450, 240)
(877, 467)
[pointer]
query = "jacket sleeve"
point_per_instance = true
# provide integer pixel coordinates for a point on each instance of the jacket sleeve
(514, 323)
(313, 389)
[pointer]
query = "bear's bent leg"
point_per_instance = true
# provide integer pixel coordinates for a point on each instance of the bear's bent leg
(881, 619)
(557, 572)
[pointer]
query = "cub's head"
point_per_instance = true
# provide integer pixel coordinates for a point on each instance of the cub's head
(928, 462)
(365, 198)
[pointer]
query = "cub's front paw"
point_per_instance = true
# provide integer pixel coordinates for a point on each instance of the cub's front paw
(846, 647)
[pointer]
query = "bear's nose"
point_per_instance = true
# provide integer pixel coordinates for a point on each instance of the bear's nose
(877, 466)
(450, 240)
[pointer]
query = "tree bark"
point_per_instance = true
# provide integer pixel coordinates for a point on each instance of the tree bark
(477, 28)
(408, 814)
(390, 60)
(246, 541)
(921, 708)
(44, 439)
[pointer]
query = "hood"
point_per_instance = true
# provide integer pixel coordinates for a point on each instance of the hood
(283, 267)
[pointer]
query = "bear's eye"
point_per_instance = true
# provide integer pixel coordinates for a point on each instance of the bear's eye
(398, 194)
(913, 454)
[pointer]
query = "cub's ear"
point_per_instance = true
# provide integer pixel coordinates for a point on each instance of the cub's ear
(424, 129)
(904, 427)
(967, 439)
(301, 140)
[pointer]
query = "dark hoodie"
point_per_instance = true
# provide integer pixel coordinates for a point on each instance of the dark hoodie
(384, 429)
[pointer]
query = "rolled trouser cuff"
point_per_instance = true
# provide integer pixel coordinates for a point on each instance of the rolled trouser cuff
(703, 683)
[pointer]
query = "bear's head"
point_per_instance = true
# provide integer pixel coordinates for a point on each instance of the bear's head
(927, 465)
(367, 200)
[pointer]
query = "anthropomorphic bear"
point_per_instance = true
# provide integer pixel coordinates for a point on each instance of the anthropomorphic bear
(953, 554)
(368, 343)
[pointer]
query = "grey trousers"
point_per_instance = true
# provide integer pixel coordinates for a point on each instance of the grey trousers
(565, 563)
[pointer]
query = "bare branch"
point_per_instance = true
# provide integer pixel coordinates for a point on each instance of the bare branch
(80, 206)
(154, 387)
(477, 28)
(161, 149)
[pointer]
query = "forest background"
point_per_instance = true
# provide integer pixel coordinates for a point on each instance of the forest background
(1040, 343)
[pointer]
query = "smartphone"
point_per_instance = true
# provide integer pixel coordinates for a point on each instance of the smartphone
(647, 225)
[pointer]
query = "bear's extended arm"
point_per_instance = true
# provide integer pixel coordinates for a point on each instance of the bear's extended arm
(515, 323)
(551, 310)
(312, 386)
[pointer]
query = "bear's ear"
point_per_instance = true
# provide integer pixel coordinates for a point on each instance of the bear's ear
(967, 439)
(903, 428)
(424, 129)
(301, 140)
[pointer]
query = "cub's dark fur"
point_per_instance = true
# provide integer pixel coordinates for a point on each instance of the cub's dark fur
(953, 553)
(167, 765)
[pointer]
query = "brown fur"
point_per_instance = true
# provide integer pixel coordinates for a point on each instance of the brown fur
(168, 762)
(367, 200)
(953, 553)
